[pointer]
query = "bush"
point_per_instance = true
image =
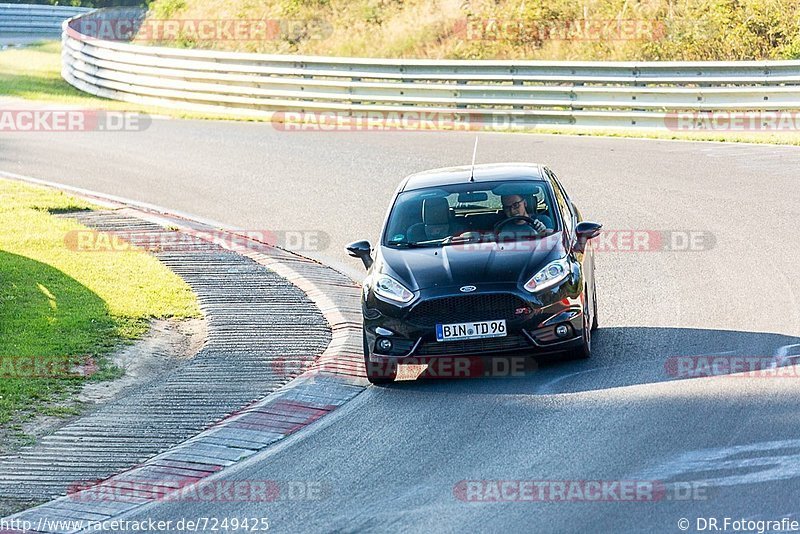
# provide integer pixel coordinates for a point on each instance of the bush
(542, 29)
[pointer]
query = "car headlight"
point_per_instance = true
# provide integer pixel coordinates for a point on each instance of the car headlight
(387, 287)
(552, 273)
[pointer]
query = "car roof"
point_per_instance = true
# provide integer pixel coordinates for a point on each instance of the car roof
(486, 172)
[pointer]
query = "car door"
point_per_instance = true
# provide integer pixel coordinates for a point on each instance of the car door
(571, 217)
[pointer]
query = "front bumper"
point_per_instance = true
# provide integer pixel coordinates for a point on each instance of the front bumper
(531, 321)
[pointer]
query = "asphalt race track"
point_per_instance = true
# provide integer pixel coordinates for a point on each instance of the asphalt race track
(395, 458)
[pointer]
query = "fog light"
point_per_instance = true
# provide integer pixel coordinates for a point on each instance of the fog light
(562, 330)
(385, 345)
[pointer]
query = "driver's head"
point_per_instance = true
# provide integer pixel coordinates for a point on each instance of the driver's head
(514, 206)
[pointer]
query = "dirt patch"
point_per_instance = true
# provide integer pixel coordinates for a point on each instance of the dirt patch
(166, 346)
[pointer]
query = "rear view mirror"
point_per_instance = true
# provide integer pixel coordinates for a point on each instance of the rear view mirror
(585, 231)
(361, 249)
(476, 196)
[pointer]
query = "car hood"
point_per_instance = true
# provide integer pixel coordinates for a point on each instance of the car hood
(457, 265)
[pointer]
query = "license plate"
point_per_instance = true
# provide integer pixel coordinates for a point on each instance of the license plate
(474, 330)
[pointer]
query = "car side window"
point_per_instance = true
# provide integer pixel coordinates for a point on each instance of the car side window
(563, 203)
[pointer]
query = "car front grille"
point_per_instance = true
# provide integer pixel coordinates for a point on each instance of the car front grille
(472, 346)
(466, 308)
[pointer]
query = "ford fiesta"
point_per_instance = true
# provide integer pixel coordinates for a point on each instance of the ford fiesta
(478, 260)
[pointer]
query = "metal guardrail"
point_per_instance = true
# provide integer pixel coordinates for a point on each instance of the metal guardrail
(40, 19)
(592, 94)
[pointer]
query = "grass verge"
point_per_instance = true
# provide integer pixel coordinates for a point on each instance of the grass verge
(61, 311)
(34, 73)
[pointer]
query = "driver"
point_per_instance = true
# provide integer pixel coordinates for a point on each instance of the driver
(516, 206)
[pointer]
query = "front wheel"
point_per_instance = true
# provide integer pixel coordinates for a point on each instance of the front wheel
(378, 372)
(584, 350)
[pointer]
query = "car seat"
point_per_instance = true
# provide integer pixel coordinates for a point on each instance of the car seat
(435, 221)
(537, 209)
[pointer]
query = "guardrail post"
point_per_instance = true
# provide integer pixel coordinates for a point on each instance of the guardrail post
(517, 82)
(464, 83)
(350, 91)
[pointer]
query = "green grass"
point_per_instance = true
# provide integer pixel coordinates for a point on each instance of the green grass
(58, 305)
(34, 73)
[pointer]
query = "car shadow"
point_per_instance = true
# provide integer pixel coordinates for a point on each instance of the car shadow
(621, 356)
(51, 329)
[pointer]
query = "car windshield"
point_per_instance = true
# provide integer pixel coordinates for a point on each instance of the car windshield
(471, 212)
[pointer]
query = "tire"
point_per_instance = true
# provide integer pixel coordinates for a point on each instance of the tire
(584, 350)
(595, 323)
(377, 373)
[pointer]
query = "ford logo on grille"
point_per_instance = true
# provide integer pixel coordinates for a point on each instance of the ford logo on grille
(467, 289)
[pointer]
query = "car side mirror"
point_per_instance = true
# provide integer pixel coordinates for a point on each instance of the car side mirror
(585, 231)
(361, 249)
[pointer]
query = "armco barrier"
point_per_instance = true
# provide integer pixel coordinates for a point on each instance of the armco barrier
(37, 19)
(592, 94)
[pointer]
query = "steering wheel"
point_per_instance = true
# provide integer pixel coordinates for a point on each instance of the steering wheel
(504, 222)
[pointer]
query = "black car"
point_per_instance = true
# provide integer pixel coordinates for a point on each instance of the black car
(478, 260)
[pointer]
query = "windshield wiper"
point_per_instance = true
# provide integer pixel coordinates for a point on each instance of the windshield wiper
(459, 240)
(405, 244)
